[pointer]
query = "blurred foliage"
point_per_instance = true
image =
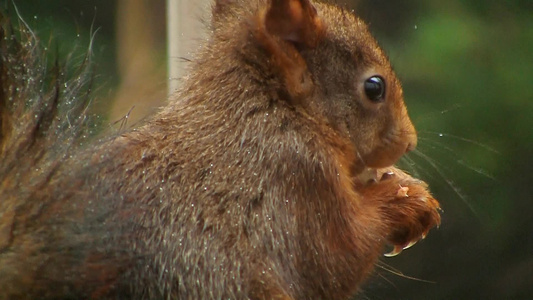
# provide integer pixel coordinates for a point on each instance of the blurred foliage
(69, 29)
(467, 70)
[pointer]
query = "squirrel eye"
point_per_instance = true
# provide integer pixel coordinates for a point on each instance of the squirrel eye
(375, 88)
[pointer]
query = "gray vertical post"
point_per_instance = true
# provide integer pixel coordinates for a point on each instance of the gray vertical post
(184, 30)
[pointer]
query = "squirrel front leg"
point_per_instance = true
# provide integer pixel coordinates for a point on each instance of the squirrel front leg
(407, 208)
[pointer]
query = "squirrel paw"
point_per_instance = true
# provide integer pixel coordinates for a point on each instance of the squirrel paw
(407, 207)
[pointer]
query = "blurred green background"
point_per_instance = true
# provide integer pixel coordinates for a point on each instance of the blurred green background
(467, 70)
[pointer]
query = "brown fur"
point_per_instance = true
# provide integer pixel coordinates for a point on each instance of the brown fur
(243, 187)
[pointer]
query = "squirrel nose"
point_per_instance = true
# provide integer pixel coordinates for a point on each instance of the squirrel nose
(411, 145)
(410, 134)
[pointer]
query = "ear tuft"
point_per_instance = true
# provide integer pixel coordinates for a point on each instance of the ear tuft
(294, 21)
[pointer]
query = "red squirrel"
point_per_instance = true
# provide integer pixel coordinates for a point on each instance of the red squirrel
(268, 175)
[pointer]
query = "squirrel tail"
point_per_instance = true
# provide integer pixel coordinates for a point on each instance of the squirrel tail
(43, 119)
(42, 115)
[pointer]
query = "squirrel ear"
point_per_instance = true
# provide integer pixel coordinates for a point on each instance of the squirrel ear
(283, 28)
(294, 21)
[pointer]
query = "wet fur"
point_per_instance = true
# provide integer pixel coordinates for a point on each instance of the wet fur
(242, 187)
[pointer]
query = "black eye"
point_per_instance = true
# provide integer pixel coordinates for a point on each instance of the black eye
(375, 88)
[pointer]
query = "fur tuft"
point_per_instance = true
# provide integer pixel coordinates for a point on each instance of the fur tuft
(43, 115)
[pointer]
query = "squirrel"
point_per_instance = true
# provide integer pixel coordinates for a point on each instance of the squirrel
(268, 175)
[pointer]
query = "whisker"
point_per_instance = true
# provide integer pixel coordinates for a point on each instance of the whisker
(385, 278)
(452, 108)
(480, 171)
(441, 146)
(437, 145)
(410, 163)
(419, 172)
(396, 272)
(463, 139)
(431, 115)
(437, 167)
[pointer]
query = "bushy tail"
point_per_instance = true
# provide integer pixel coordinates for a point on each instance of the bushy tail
(42, 116)
(43, 119)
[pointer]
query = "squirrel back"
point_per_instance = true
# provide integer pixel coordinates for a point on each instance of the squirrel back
(248, 184)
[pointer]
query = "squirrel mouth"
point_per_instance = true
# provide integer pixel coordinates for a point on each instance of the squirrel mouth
(367, 176)
(372, 175)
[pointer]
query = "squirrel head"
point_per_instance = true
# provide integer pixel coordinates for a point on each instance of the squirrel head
(330, 66)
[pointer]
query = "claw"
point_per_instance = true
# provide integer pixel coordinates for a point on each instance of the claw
(397, 250)
(411, 244)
